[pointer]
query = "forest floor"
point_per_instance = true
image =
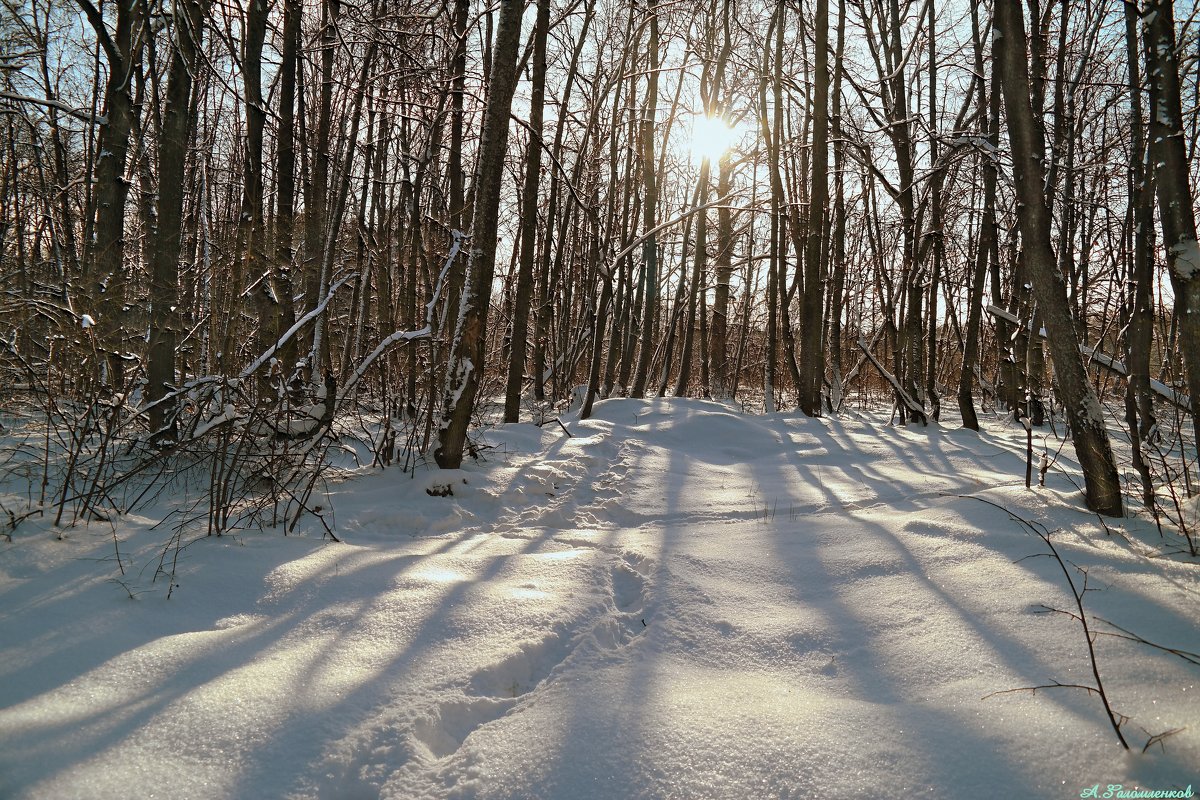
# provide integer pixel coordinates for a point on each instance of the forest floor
(677, 601)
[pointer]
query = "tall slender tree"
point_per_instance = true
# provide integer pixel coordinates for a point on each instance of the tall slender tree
(1175, 210)
(648, 132)
(467, 352)
(1086, 417)
(187, 31)
(529, 217)
(812, 323)
(106, 268)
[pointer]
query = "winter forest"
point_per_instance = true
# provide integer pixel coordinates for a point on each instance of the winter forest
(599, 398)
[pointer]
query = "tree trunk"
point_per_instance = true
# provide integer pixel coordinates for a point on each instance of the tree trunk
(1102, 488)
(649, 210)
(251, 223)
(316, 200)
(285, 177)
(529, 218)
(1174, 193)
(837, 245)
(988, 113)
(936, 222)
(1139, 402)
(468, 348)
(123, 52)
(188, 28)
(812, 323)
(455, 173)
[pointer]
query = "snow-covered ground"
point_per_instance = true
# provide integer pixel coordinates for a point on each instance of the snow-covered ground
(680, 601)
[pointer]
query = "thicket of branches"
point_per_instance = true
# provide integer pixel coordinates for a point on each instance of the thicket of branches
(224, 225)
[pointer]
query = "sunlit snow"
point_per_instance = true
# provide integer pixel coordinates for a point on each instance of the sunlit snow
(679, 601)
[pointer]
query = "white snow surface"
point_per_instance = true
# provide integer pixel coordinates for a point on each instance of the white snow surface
(681, 601)
(1187, 259)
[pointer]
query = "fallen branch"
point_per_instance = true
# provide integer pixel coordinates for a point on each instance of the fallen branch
(912, 405)
(300, 323)
(1118, 368)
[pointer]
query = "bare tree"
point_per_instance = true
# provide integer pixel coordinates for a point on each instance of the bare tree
(649, 205)
(468, 349)
(187, 27)
(106, 267)
(1102, 488)
(529, 217)
(1174, 192)
(812, 323)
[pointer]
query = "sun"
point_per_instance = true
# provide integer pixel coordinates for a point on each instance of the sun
(711, 138)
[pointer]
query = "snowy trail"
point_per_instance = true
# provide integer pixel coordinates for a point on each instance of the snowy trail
(679, 602)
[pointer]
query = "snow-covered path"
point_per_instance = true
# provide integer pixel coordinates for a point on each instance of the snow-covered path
(678, 602)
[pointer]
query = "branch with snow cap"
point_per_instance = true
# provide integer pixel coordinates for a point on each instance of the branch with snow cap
(905, 398)
(83, 115)
(300, 323)
(407, 336)
(1178, 399)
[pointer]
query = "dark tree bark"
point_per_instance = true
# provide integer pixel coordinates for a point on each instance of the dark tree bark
(771, 136)
(316, 196)
(529, 218)
(936, 233)
(699, 270)
(285, 176)
(459, 213)
(188, 18)
(989, 111)
(837, 244)
(1175, 211)
(251, 223)
(1102, 488)
(468, 348)
(107, 274)
(900, 132)
(812, 323)
(1139, 404)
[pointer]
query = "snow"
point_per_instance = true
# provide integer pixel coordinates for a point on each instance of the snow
(1186, 259)
(87, 321)
(679, 601)
(1164, 391)
(228, 414)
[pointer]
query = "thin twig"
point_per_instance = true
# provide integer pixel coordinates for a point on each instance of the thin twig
(1042, 534)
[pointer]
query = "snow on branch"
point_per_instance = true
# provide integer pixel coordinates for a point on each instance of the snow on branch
(300, 323)
(573, 354)
(1178, 399)
(909, 403)
(455, 246)
(398, 336)
(81, 115)
(636, 243)
(407, 336)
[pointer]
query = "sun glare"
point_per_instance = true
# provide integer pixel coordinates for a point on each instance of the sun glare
(711, 138)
